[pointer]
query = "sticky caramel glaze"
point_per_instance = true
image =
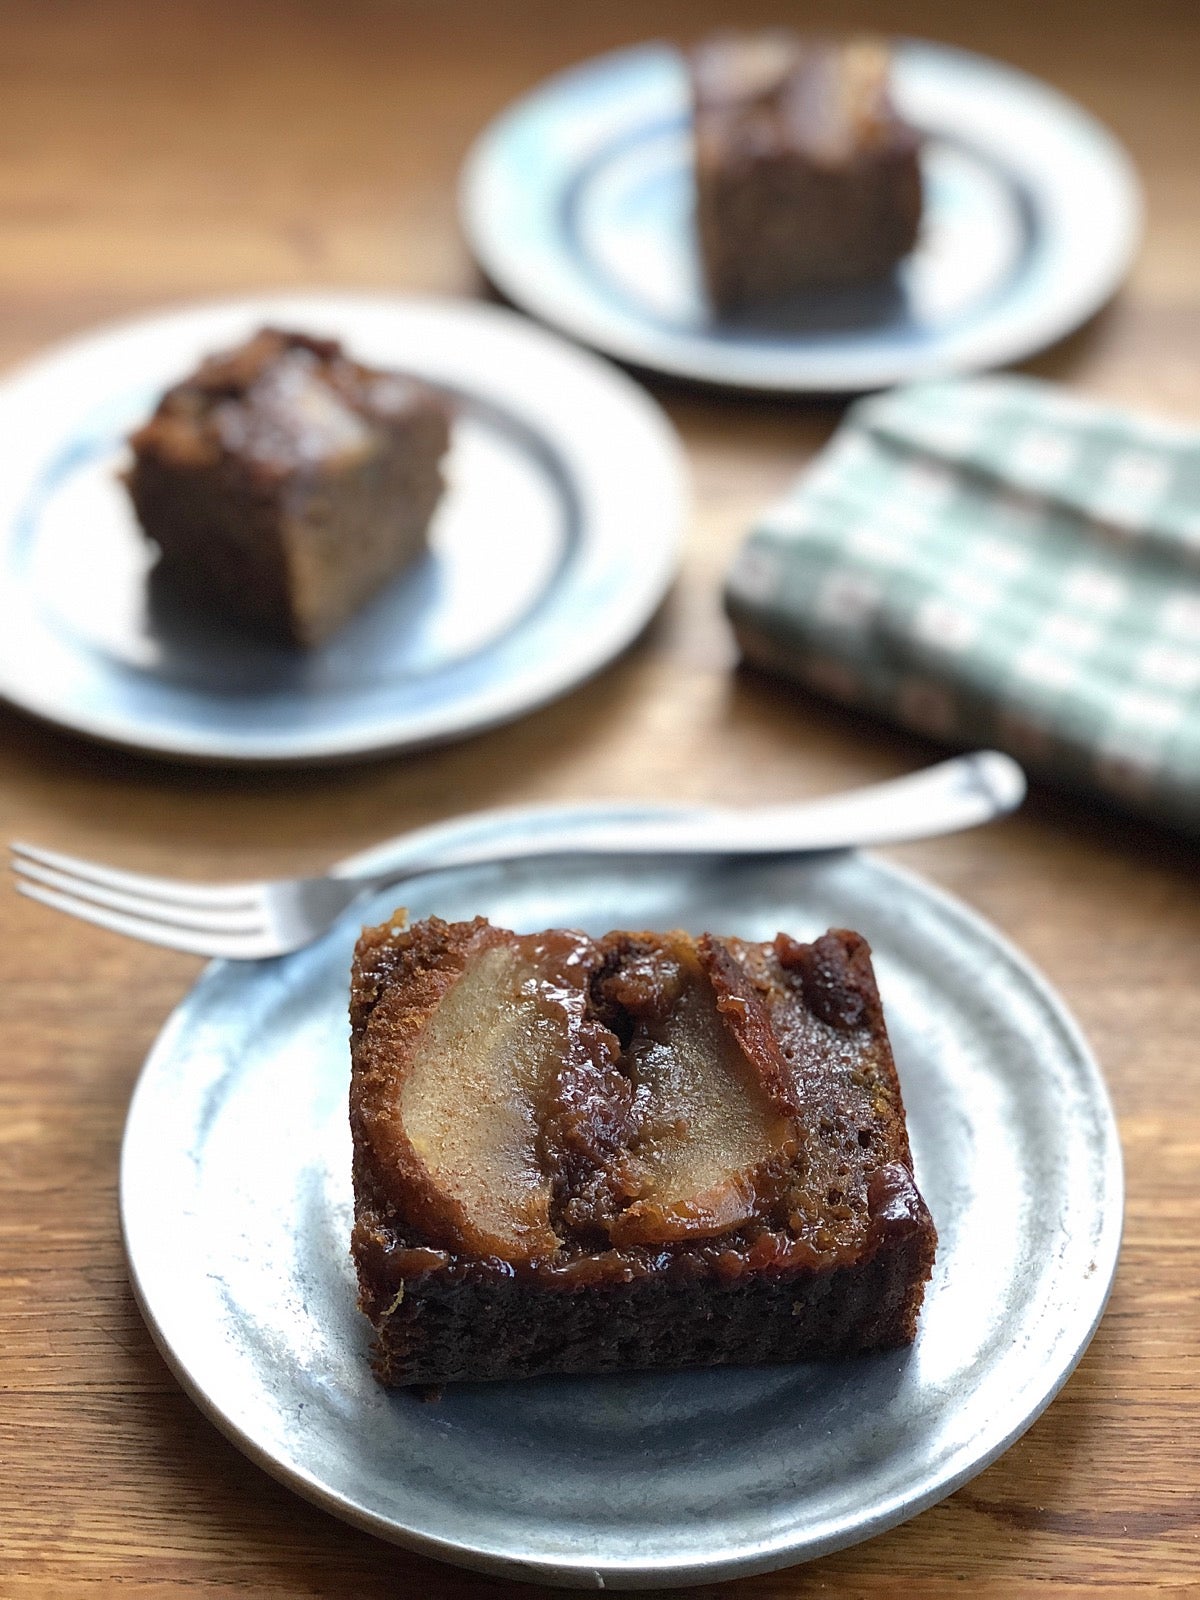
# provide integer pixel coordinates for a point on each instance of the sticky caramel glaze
(713, 1126)
(825, 1011)
(461, 1032)
(281, 403)
(824, 1183)
(827, 99)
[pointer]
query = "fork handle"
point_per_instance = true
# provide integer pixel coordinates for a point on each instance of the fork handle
(956, 794)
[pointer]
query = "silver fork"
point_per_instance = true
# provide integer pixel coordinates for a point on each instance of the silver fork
(250, 921)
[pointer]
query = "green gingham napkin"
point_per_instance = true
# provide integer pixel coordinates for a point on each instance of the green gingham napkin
(995, 562)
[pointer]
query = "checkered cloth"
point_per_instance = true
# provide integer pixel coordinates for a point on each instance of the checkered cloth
(996, 562)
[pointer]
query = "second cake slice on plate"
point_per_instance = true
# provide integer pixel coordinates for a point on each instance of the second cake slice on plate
(285, 484)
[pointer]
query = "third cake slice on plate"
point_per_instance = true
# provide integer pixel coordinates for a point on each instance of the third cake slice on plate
(806, 176)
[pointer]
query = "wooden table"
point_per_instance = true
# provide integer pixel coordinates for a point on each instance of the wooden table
(150, 153)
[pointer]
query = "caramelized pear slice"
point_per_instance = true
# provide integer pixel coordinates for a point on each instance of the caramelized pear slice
(474, 1048)
(712, 1134)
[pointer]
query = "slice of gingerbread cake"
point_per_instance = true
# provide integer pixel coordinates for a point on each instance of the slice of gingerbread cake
(284, 483)
(806, 176)
(648, 1150)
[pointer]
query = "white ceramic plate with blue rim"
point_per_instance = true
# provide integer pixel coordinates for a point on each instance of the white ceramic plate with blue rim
(578, 204)
(236, 1208)
(555, 542)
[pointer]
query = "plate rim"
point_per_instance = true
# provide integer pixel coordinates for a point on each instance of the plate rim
(812, 373)
(643, 1574)
(630, 611)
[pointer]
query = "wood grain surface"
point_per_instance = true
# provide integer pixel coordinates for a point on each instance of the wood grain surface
(155, 152)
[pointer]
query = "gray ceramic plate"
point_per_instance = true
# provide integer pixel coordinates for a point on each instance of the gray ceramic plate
(236, 1206)
(556, 540)
(577, 202)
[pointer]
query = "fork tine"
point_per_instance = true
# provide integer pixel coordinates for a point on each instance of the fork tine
(233, 920)
(170, 890)
(234, 947)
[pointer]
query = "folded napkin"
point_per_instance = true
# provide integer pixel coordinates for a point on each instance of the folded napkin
(995, 562)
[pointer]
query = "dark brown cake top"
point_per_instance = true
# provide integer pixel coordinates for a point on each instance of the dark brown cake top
(281, 402)
(761, 94)
(557, 1102)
